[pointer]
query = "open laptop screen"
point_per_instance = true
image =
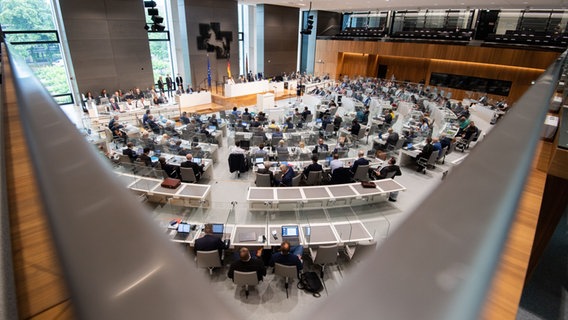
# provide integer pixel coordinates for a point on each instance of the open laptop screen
(290, 231)
(184, 227)
(218, 228)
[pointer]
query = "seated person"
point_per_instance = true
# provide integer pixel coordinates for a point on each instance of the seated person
(425, 153)
(129, 152)
(112, 121)
(236, 113)
(154, 126)
(341, 147)
(355, 127)
(382, 174)
(337, 122)
(437, 145)
(213, 121)
(241, 126)
(281, 148)
(273, 125)
(145, 119)
(145, 157)
(247, 264)
(288, 125)
(286, 258)
(237, 148)
(314, 166)
(277, 134)
(469, 131)
(170, 130)
(391, 139)
(209, 241)
(118, 132)
(171, 170)
(197, 169)
(361, 161)
(255, 123)
(184, 119)
(287, 175)
(336, 163)
(321, 147)
(246, 114)
(261, 150)
(324, 122)
(266, 170)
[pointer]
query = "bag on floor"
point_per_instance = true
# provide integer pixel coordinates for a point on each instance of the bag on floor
(310, 282)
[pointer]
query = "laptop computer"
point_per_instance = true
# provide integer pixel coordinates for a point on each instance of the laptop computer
(291, 234)
(211, 129)
(183, 231)
(196, 160)
(247, 236)
(218, 229)
(258, 160)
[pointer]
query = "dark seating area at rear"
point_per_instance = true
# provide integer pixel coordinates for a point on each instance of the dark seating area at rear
(361, 32)
(529, 37)
(436, 34)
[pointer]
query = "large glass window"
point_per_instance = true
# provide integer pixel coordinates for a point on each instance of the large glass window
(160, 45)
(432, 19)
(30, 28)
(365, 20)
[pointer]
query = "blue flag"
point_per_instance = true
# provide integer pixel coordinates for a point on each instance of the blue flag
(208, 72)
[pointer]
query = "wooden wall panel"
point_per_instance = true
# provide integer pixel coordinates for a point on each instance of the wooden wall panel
(327, 50)
(415, 62)
(354, 65)
(405, 69)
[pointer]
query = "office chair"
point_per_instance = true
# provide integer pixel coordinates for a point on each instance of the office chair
(314, 178)
(360, 251)
(209, 260)
(427, 163)
(362, 173)
(187, 175)
(324, 255)
(297, 179)
(288, 272)
(245, 279)
(263, 180)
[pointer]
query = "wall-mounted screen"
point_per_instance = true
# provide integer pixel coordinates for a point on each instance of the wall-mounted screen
(454, 81)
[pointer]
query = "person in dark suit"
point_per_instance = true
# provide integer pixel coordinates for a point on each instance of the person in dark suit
(321, 147)
(112, 121)
(129, 152)
(314, 166)
(171, 170)
(169, 85)
(361, 161)
(284, 257)
(355, 127)
(247, 264)
(113, 105)
(161, 84)
(287, 175)
(179, 81)
(184, 119)
(382, 174)
(156, 128)
(145, 157)
(197, 169)
(209, 241)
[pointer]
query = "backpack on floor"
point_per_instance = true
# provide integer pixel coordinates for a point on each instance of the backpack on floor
(310, 282)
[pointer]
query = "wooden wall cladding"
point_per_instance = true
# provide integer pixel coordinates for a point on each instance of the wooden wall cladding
(415, 62)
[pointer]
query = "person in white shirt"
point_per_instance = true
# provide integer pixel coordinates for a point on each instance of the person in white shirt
(237, 148)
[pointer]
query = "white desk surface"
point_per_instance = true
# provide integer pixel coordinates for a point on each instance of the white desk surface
(278, 228)
(259, 230)
(320, 234)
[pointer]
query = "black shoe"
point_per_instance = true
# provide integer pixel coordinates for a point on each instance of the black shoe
(392, 200)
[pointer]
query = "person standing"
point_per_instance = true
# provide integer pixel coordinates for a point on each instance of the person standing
(179, 81)
(161, 84)
(169, 85)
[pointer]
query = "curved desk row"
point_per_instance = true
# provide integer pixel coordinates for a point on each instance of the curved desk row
(258, 235)
(319, 196)
(188, 194)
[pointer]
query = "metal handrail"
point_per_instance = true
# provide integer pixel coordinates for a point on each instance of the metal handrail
(437, 265)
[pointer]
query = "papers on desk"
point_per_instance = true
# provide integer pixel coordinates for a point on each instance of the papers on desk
(260, 166)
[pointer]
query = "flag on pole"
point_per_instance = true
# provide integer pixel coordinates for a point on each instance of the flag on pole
(208, 72)
(246, 64)
(229, 68)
